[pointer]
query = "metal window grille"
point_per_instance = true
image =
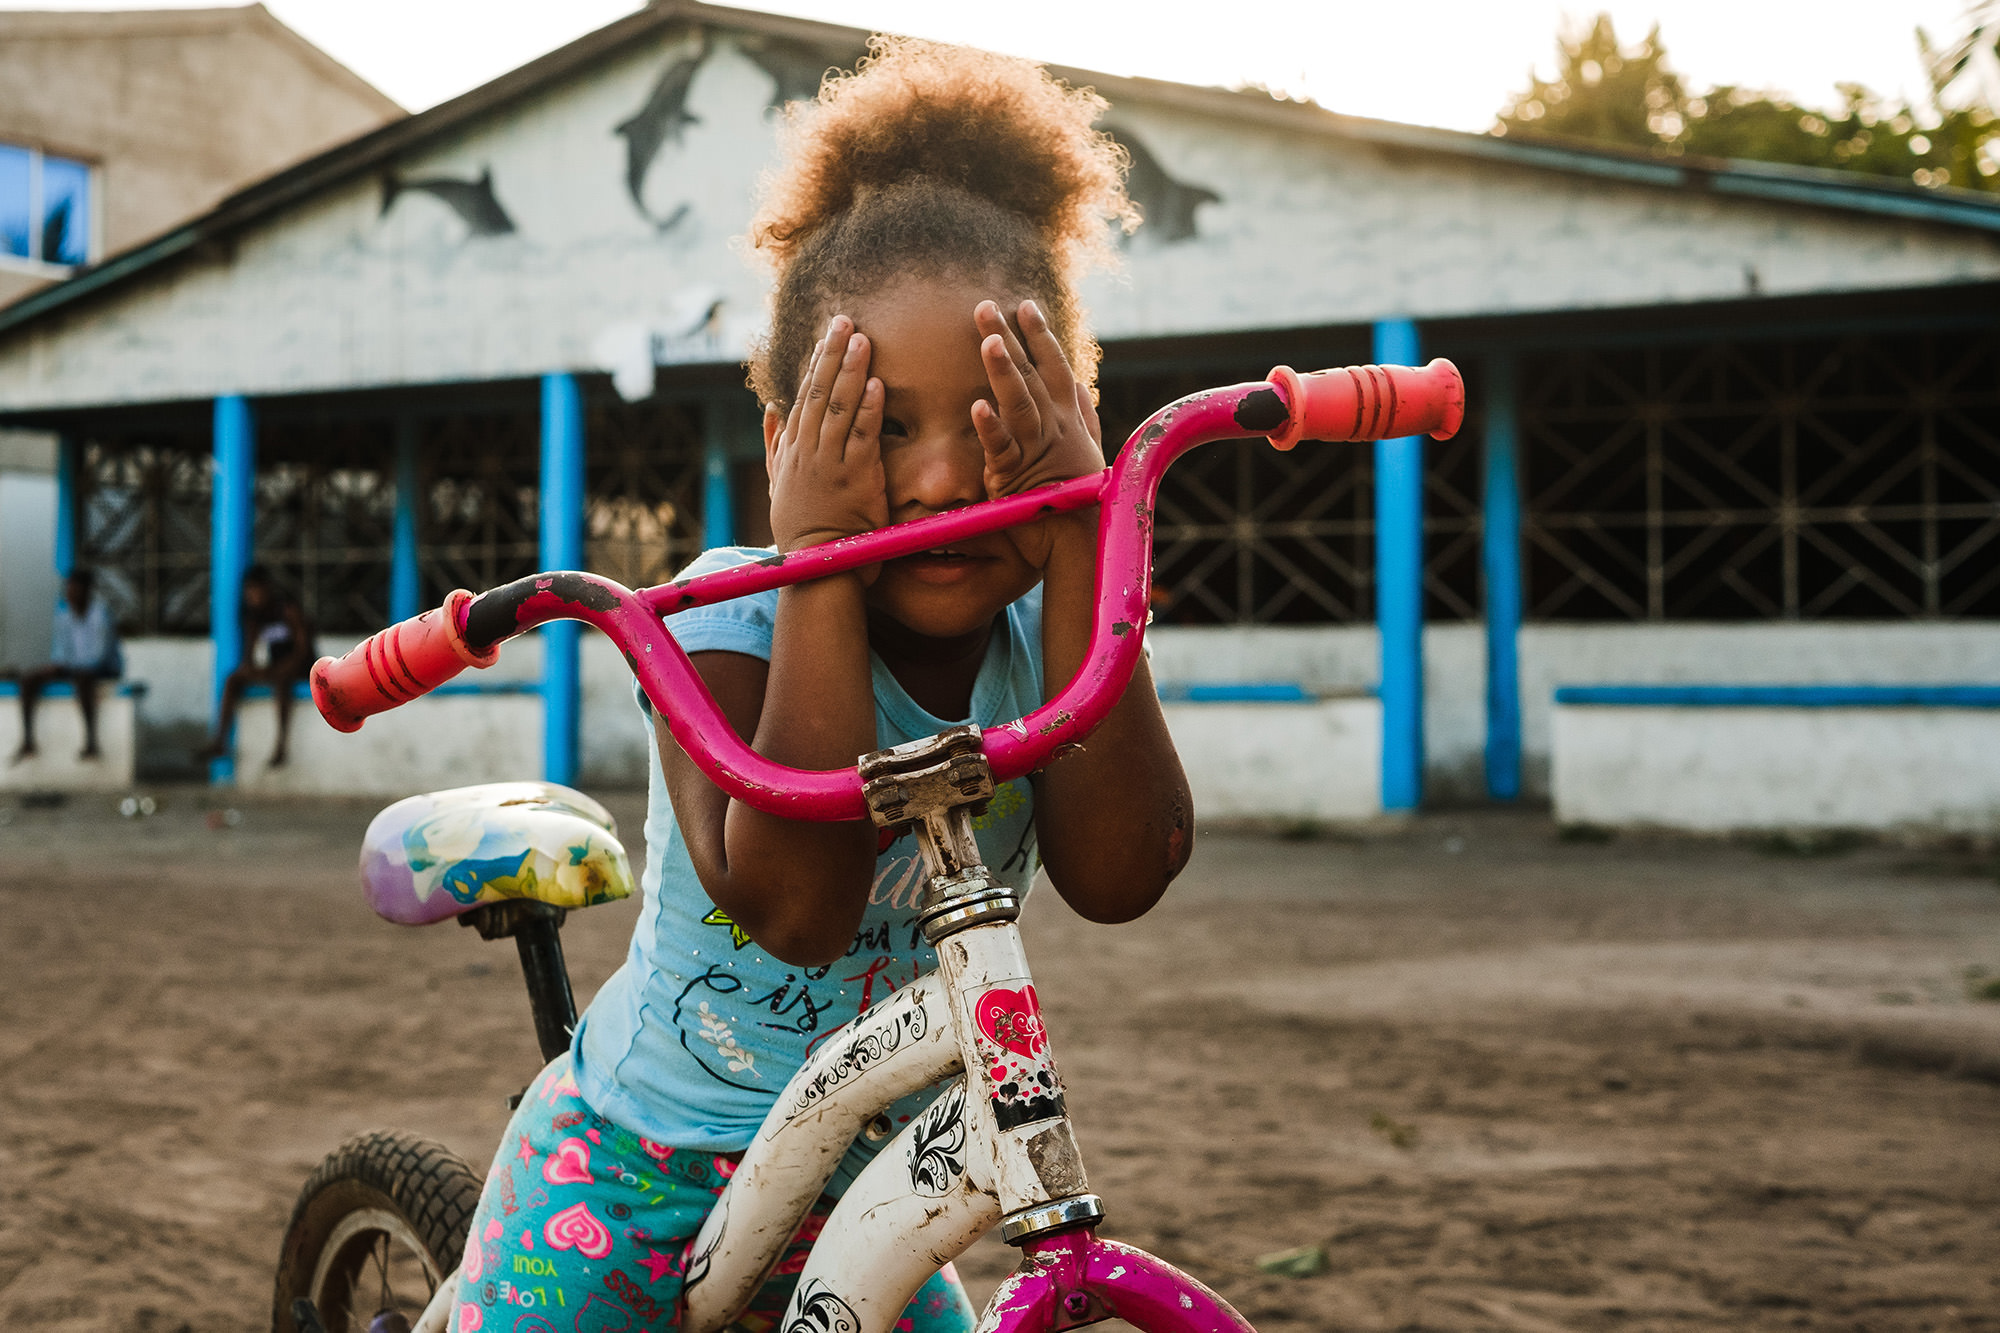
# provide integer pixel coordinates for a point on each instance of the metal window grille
(325, 507)
(479, 476)
(643, 520)
(1781, 478)
(1802, 478)
(1246, 535)
(326, 503)
(142, 526)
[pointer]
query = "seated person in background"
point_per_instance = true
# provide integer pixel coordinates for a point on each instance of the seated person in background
(86, 651)
(277, 651)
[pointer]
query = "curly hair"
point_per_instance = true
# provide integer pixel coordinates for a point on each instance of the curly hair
(933, 160)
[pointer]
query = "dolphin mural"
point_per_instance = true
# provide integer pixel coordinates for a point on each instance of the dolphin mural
(662, 120)
(473, 201)
(1167, 205)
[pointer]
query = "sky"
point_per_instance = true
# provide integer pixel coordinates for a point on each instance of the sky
(1452, 63)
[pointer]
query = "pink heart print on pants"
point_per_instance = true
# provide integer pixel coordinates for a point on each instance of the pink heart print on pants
(569, 1164)
(1020, 1073)
(584, 1225)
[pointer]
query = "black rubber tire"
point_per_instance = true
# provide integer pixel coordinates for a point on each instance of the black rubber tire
(385, 1175)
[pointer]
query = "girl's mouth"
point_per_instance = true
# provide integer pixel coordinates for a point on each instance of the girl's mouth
(940, 564)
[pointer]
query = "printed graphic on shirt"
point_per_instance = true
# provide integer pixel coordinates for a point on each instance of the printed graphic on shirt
(738, 937)
(708, 1027)
(1010, 798)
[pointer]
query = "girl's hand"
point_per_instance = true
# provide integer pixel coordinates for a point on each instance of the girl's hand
(1041, 426)
(825, 460)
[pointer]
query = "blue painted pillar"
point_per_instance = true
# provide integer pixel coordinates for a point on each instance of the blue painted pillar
(718, 492)
(68, 460)
(562, 548)
(1500, 557)
(406, 587)
(231, 520)
(1399, 589)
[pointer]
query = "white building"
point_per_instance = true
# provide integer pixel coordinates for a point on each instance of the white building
(1730, 422)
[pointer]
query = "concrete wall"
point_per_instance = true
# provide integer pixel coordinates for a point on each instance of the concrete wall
(59, 738)
(348, 288)
(175, 109)
(175, 715)
(1317, 761)
(452, 740)
(1335, 658)
(1331, 660)
(1741, 769)
(28, 583)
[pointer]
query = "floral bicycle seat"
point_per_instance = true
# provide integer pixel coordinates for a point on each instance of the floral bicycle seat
(438, 855)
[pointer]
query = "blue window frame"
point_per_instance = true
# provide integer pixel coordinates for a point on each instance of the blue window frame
(45, 207)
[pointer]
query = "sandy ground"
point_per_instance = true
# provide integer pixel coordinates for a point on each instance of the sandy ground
(1508, 1082)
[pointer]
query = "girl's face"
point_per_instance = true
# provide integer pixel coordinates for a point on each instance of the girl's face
(926, 353)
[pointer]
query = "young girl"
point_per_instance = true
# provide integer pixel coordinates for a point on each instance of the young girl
(926, 352)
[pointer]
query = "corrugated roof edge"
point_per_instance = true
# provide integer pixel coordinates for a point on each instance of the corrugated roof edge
(1783, 184)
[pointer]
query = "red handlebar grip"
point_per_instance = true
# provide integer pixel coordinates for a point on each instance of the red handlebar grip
(397, 665)
(1370, 403)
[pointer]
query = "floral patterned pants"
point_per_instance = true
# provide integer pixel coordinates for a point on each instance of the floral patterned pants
(583, 1227)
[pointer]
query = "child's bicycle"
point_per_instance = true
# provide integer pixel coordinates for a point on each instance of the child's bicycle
(376, 1239)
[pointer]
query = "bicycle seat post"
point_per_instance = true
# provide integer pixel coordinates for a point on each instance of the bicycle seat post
(536, 931)
(938, 784)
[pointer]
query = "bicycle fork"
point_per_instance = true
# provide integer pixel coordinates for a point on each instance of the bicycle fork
(1013, 1114)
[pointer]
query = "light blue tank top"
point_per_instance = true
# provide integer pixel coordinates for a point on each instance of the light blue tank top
(691, 1040)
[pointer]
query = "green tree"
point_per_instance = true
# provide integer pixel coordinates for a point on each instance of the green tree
(1630, 97)
(1603, 93)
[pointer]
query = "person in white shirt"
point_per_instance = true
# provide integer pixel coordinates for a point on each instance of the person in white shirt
(86, 652)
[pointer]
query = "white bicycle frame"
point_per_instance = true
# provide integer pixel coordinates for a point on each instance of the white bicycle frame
(995, 1147)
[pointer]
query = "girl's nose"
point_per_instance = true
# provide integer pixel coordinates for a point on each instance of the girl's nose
(934, 475)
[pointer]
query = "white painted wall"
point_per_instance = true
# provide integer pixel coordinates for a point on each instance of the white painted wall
(28, 583)
(1727, 769)
(1331, 660)
(176, 713)
(443, 741)
(1314, 227)
(1317, 761)
(59, 738)
(1335, 658)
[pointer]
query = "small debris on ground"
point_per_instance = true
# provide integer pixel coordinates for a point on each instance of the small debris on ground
(1399, 1134)
(1305, 1261)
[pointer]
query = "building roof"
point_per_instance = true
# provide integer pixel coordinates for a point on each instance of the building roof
(28, 25)
(1800, 186)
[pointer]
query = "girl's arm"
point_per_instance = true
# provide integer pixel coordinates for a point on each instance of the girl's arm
(1114, 821)
(799, 888)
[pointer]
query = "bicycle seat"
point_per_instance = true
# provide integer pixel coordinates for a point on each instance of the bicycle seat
(446, 852)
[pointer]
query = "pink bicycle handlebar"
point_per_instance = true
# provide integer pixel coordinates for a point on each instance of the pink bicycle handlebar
(1358, 403)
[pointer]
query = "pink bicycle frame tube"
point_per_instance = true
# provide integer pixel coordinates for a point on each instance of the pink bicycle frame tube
(1075, 1276)
(1356, 403)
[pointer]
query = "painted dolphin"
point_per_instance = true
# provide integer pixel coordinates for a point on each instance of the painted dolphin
(473, 201)
(663, 119)
(1166, 205)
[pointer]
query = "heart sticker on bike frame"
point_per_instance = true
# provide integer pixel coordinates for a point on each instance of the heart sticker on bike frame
(1020, 1073)
(1012, 1018)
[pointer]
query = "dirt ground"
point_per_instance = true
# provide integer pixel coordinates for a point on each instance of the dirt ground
(1508, 1082)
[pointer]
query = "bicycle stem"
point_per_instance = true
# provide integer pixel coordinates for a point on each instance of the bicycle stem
(935, 785)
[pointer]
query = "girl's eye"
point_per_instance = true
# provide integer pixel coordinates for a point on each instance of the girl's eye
(893, 427)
